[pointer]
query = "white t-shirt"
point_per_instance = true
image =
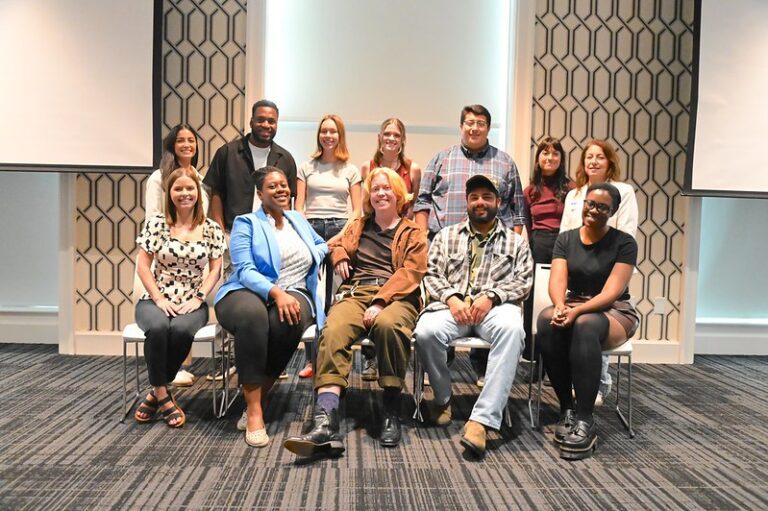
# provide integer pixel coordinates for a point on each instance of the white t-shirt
(260, 155)
(625, 219)
(328, 186)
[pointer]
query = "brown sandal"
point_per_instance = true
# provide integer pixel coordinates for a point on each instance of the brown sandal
(148, 408)
(172, 413)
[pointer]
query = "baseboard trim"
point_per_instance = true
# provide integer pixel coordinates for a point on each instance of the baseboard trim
(29, 325)
(731, 338)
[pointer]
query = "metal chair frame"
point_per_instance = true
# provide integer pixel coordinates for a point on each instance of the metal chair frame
(213, 334)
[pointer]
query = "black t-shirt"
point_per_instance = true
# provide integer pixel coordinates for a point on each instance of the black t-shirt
(590, 265)
(373, 258)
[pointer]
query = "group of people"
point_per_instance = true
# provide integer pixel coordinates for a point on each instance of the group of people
(426, 255)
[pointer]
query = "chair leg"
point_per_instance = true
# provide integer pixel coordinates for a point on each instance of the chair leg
(126, 405)
(626, 423)
(418, 386)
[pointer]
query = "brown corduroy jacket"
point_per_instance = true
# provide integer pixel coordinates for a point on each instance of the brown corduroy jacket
(409, 257)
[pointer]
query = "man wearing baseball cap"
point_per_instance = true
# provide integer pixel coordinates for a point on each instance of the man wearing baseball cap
(480, 294)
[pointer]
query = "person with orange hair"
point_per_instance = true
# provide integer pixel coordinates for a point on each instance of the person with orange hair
(381, 258)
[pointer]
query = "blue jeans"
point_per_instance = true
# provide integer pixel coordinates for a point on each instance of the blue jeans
(502, 328)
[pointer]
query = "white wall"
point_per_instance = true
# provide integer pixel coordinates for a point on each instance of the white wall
(29, 237)
(29, 265)
(367, 61)
(731, 307)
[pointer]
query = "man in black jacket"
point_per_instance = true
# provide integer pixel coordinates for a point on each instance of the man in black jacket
(231, 176)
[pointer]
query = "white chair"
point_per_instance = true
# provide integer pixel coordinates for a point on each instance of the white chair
(541, 301)
(213, 334)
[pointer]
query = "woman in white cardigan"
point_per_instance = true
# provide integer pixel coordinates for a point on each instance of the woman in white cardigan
(179, 151)
(599, 163)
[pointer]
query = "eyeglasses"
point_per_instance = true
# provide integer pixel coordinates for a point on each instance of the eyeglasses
(480, 124)
(599, 206)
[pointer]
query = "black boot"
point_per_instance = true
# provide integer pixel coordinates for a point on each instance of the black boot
(323, 439)
(391, 432)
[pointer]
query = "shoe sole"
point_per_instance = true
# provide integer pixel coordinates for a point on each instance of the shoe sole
(370, 377)
(472, 447)
(570, 453)
(385, 443)
(307, 449)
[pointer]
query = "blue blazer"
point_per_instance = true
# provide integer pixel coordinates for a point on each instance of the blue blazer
(256, 257)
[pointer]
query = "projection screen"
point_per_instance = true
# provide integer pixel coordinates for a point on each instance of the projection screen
(80, 85)
(729, 101)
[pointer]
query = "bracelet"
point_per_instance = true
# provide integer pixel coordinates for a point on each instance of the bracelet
(200, 296)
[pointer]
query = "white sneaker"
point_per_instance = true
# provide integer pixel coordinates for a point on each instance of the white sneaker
(242, 422)
(184, 378)
(603, 393)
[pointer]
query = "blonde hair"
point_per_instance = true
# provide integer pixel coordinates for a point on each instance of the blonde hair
(395, 181)
(341, 152)
(198, 215)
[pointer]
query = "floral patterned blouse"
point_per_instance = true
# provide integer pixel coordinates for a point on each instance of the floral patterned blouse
(179, 265)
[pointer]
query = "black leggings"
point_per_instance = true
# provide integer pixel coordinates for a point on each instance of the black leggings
(263, 344)
(168, 339)
(573, 358)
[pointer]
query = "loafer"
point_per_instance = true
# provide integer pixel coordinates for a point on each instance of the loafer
(242, 422)
(184, 378)
(474, 438)
(257, 438)
(580, 442)
(391, 431)
(323, 437)
(564, 426)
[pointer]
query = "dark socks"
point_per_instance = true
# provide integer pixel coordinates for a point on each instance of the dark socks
(328, 401)
(391, 400)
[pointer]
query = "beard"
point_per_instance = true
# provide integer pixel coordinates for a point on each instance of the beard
(482, 218)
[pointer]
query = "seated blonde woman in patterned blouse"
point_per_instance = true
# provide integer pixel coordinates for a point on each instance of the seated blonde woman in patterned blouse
(181, 242)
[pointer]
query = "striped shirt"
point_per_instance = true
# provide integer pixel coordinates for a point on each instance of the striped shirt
(442, 192)
(295, 258)
(506, 267)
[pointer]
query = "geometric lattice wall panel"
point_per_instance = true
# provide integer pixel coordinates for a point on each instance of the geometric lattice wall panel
(621, 71)
(109, 215)
(204, 71)
(203, 77)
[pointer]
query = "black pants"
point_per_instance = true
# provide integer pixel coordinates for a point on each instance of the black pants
(263, 344)
(168, 339)
(573, 358)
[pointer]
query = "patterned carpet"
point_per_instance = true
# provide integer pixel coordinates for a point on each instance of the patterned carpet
(701, 444)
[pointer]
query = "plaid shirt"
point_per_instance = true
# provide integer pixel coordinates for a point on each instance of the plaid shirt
(442, 189)
(506, 267)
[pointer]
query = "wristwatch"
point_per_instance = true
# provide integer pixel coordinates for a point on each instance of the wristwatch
(493, 297)
(200, 296)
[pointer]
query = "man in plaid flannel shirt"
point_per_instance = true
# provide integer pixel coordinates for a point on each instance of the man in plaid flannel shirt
(479, 272)
(440, 201)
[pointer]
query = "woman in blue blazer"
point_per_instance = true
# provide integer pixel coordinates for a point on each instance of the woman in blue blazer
(271, 296)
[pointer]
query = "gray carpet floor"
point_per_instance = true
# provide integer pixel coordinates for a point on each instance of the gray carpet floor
(701, 441)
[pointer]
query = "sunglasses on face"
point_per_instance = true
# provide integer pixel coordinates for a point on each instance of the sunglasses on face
(599, 206)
